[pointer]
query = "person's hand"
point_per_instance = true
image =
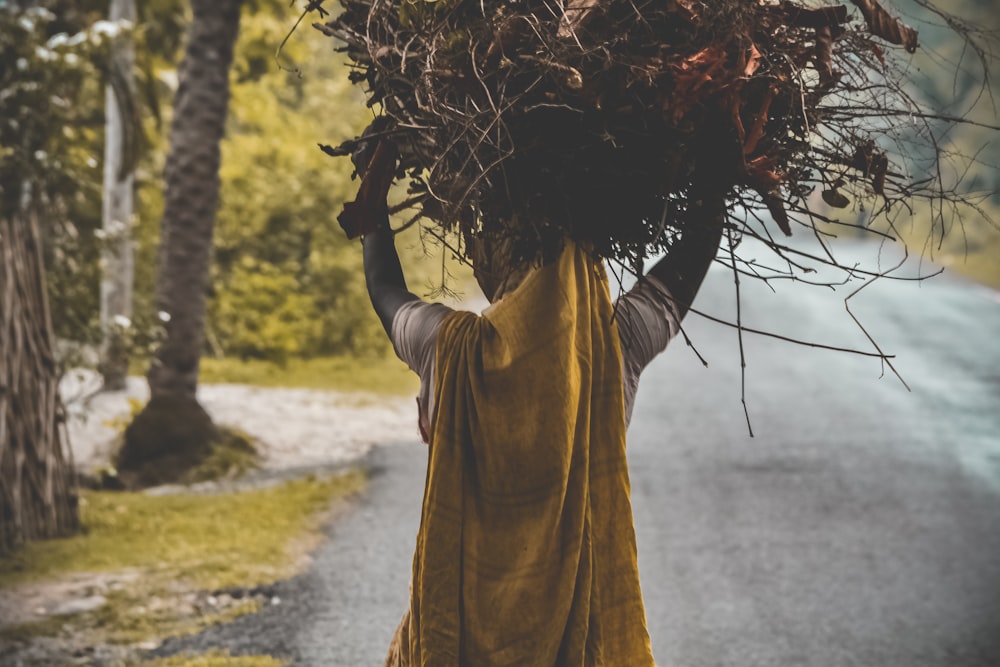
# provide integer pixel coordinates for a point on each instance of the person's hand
(369, 210)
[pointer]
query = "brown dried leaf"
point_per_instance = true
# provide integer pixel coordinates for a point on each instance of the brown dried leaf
(759, 121)
(872, 162)
(753, 61)
(776, 207)
(692, 75)
(882, 24)
(574, 14)
(764, 178)
(762, 175)
(835, 198)
(824, 55)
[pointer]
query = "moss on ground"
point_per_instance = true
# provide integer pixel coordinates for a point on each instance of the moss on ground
(233, 454)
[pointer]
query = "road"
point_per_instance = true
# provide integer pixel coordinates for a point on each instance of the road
(860, 526)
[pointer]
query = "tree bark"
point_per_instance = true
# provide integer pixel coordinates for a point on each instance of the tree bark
(37, 484)
(173, 432)
(118, 256)
(192, 194)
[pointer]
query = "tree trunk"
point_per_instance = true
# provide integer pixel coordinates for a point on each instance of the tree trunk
(37, 485)
(173, 432)
(118, 255)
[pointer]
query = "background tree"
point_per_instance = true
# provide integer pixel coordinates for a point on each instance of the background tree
(173, 431)
(43, 161)
(120, 153)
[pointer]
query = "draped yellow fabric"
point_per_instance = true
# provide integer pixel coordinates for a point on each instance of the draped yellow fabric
(526, 550)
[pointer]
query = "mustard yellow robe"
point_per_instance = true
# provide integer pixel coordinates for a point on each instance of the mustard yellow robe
(526, 551)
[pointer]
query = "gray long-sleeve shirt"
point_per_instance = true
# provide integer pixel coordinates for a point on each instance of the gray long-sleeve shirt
(645, 316)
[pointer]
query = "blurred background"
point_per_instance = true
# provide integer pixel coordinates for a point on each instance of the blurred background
(295, 364)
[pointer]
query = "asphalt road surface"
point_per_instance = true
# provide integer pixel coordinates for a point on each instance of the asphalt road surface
(860, 526)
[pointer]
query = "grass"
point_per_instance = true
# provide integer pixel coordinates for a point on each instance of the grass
(385, 375)
(215, 659)
(215, 540)
(184, 546)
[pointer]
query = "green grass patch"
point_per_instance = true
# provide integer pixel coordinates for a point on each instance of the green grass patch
(215, 659)
(212, 541)
(385, 375)
(180, 548)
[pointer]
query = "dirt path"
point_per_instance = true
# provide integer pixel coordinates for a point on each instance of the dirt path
(294, 428)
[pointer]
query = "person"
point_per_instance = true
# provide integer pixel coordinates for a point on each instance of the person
(526, 550)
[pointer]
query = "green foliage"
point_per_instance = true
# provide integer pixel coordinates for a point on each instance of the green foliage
(51, 137)
(286, 281)
(259, 312)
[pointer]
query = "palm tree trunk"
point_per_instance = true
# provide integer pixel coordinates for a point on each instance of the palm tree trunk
(37, 485)
(173, 432)
(192, 193)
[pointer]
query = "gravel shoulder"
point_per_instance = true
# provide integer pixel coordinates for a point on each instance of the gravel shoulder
(295, 429)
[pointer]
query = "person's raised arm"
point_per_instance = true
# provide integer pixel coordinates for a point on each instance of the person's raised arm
(368, 217)
(384, 274)
(683, 268)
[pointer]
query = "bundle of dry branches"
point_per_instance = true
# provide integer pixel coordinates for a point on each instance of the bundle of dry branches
(599, 118)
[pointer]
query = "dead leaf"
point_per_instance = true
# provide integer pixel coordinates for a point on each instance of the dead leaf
(759, 122)
(692, 75)
(835, 199)
(776, 207)
(872, 162)
(824, 55)
(753, 61)
(763, 178)
(882, 24)
(762, 174)
(574, 14)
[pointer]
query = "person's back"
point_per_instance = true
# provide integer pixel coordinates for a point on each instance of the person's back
(526, 550)
(516, 563)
